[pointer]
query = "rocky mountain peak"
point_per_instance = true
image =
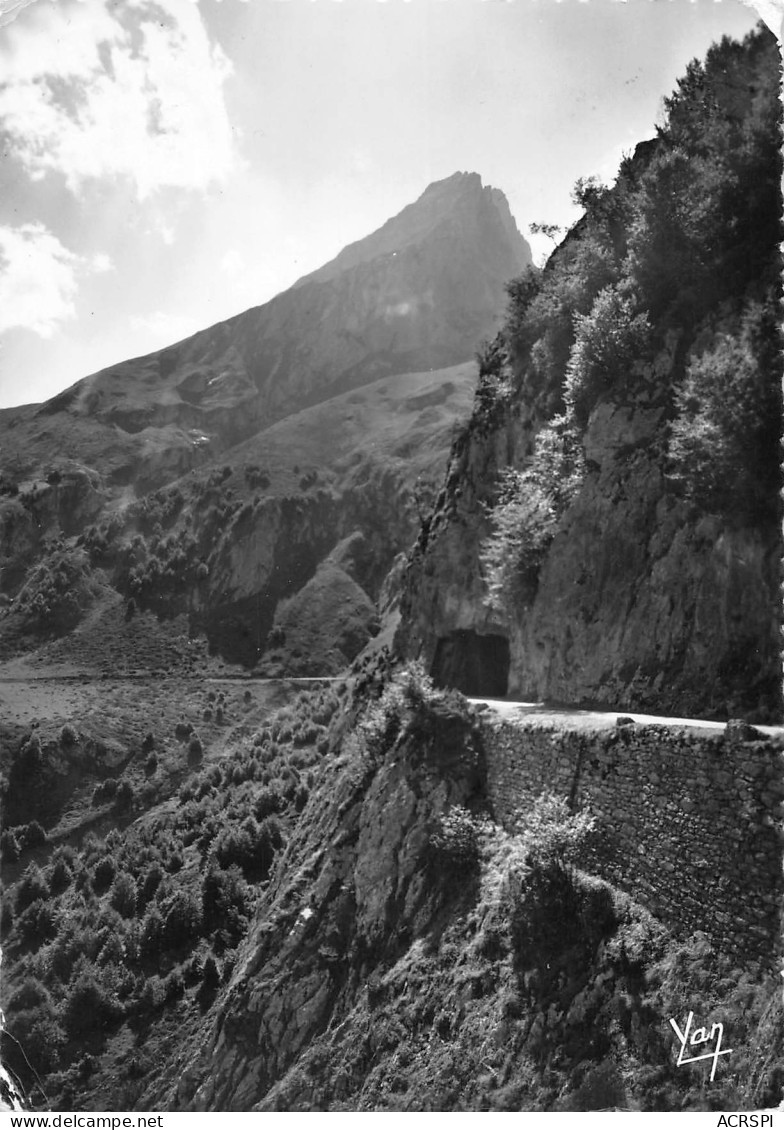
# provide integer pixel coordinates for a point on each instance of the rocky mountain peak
(458, 202)
(416, 295)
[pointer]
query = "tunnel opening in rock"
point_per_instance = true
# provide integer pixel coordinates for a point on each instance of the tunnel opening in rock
(472, 663)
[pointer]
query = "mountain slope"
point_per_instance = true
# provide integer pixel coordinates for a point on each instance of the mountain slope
(268, 440)
(419, 294)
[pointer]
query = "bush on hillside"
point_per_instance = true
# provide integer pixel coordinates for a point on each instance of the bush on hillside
(607, 342)
(455, 840)
(724, 448)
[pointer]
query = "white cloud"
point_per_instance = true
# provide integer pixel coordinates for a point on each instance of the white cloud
(94, 89)
(39, 279)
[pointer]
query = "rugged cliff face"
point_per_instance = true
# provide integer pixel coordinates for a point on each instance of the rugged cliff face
(641, 600)
(609, 526)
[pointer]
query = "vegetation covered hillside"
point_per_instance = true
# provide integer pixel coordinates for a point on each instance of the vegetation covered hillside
(611, 512)
(225, 895)
(138, 838)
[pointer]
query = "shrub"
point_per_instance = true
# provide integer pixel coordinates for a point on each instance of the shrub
(60, 876)
(151, 936)
(724, 440)
(268, 802)
(9, 847)
(455, 840)
(32, 886)
(524, 522)
(152, 995)
(553, 835)
(210, 979)
(195, 750)
(38, 922)
(83, 883)
(607, 342)
(554, 911)
(30, 755)
(104, 873)
(6, 916)
(123, 800)
(68, 736)
(182, 921)
(34, 1024)
(252, 846)
(123, 895)
(174, 986)
(30, 994)
(225, 902)
(151, 765)
(31, 835)
(526, 514)
(88, 1006)
(150, 883)
(193, 970)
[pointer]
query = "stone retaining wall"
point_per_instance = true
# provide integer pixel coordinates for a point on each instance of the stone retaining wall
(688, 821)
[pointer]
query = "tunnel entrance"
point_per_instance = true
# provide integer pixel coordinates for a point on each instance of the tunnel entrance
(474, 664)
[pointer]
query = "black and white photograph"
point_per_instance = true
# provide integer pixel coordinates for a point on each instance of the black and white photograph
(391, 712)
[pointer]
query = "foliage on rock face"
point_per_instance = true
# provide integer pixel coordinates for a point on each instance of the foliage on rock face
(552, 909)
(455, 840)
(553, 837)
(684, 246)
(526, 514)
(607, 343)
(728, 418)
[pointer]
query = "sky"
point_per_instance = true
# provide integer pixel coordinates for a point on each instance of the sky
(165, 164)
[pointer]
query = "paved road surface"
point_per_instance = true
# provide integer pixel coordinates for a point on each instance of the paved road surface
(598, 719)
